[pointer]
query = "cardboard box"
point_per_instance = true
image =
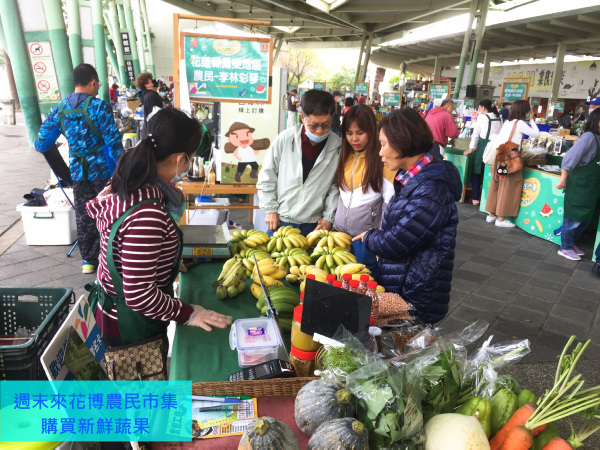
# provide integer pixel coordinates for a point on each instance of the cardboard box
(564, 131)
(133, 104)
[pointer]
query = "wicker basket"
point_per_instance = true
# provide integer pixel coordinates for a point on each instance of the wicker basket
(257, 388)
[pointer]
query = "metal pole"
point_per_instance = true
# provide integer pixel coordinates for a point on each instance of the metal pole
(121, 15)
(478, 40)
(360, 54)
(111, 54)
(436, 70)
(363, 69)
(74, 32)
(278, 45)
(465, 50)
(99, 49)
(139, 35)
(18, 52)
(60, 46)
(485, 76)
(132, 39)
(148, 39)
(558, 68)
(115, 34)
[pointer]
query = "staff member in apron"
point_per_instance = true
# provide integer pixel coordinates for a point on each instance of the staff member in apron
(580, 177)
(137, 215)
(488, 123)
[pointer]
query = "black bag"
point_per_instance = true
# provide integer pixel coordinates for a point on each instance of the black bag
(35, 198)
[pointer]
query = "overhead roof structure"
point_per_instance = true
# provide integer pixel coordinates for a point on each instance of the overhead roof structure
(537, 37)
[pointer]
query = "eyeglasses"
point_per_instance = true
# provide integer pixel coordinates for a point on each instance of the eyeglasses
(316, 126)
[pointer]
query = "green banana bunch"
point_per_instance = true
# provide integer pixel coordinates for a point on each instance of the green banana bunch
(284, 299)
(247, 239)
(328, 259)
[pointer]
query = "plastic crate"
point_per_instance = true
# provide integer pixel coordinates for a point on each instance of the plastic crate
(39, 309)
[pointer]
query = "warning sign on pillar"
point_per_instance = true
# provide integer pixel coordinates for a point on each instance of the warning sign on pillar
(42, 63)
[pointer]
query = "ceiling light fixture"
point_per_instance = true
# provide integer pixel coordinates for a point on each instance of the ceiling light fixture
(250, 12)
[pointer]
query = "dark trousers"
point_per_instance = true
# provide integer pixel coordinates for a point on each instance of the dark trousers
(87, 232)
(242, 166)
(570, 232)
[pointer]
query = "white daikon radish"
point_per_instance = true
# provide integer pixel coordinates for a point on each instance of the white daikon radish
(455, 432)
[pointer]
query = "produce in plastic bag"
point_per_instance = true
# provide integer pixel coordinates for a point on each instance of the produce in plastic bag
(401, 341)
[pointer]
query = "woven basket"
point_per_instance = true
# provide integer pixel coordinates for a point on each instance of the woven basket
(257, 388)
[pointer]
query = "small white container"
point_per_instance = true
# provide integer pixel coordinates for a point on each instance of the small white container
(48, 225)
(257, 340)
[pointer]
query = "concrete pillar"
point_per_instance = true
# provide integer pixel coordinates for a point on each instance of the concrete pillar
(436, 70)
(465, 50)
(139, 35)
(485, 76)
(132, 39)
(74, 32)
(558, 68)
(99, 48)
(278, 44)
(121, 15)
(363, 69)
(17, 50)
(111, 54)
(148, 40)
(360, 54)
(9, 72)
(115, 32)
(60, 46)
(479, 33)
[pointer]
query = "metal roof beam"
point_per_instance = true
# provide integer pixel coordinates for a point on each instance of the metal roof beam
(576, 26)
(432, 8)
(392, 5)
(588, 19)
(540, 37)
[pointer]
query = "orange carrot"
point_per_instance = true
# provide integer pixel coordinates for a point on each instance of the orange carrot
(518, 438)
(538, 430)
(557, 443)
(520, 417)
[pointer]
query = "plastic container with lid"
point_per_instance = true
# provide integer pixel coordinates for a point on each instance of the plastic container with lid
(337, 284)
(303, 362)
(346, 278)
(354, 286)
(300, 340)
(364, 280)
(256, 340)
(330, 278)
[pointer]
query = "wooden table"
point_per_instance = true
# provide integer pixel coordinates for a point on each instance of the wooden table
(199, 188)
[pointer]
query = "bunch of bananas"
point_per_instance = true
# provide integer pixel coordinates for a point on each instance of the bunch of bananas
(284, 299)
(291, 257)
(232, 279)
(324, 238)
(298, 274)
(327, 258)
(271, 275)
(286, 237)
(247, 257)
(245, 239)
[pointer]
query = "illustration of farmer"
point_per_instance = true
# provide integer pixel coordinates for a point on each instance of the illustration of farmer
(244, 148)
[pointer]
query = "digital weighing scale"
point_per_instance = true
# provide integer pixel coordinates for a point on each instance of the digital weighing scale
(205, 242)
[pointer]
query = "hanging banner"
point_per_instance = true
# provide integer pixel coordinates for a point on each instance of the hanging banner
(469, 102)
(511, 92)
(319, 85)
(42, 63)
(227, 68)
(361, 88)
(438, 91)
(391, 98)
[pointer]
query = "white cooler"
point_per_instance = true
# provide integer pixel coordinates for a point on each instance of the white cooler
(48, 225)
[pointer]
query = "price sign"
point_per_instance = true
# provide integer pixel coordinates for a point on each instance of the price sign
(438, 91)
(511, 92)
(391, 98)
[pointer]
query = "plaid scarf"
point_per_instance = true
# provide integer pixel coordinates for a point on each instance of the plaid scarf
(405, 177)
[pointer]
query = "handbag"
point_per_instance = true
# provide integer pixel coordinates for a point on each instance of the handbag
(508, 159)
(143, 361)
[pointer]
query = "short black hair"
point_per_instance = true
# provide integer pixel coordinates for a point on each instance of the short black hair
(336, 93)
(83, 74)
(592, 122)
(317, 103)
(349, 101)
(407, 132)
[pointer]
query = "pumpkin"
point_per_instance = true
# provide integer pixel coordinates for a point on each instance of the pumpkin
(268, 433)
(319, 401)
(340, 433)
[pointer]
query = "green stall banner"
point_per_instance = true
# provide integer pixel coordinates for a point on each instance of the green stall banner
(391, 98)
(361, 88)
(226, 68)
(511, 92)
(302, 91)
(559, 106)
(319, 85)
(535, 101)
(469, 102)
(438, 91)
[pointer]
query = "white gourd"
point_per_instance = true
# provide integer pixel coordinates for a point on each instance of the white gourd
(455, 432)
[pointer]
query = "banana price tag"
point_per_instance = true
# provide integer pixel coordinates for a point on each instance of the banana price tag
(202, 251)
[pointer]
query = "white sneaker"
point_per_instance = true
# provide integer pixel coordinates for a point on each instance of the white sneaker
(505, 224)
(490, 219)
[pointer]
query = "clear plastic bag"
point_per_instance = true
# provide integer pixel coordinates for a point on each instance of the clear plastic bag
(401, 341)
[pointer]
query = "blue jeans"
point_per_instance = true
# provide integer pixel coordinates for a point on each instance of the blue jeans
(305, 228)
(571, 231)
(364, 256)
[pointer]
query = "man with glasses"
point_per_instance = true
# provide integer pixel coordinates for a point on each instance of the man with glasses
(94, 147)
(296, 184)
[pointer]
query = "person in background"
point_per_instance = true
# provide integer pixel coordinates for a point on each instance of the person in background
(337, 116)
(95, 145)
(137, 215)
(149, 98)
(566, 120)
(504, 113)
(362, 100)
(504, 196)
(415, 245)
(114, 93)
(442, 125)
(349, 103)
(292, 107)
(488, 124)
(365, 185)
(581, 117)
(580, 178)
(593, 104)
(296, 184)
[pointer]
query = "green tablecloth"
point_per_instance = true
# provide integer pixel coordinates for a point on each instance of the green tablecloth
(198, 355)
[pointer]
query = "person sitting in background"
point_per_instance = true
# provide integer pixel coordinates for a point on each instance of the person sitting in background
(114, 93)
(442, 124)
(581, 117)
(566, 120)
(580, 178)
(415, 244)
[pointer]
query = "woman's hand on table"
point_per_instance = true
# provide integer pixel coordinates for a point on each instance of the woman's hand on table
(205, 319)
(360, 236)
(468, 152)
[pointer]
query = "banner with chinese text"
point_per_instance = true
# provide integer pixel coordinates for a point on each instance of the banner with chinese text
(511, 92)
(391, 98)
(438, 91)
(361, 88)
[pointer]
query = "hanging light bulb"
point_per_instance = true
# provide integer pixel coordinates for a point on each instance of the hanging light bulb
(250, 12)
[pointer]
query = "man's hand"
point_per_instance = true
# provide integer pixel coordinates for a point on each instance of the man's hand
(359, 237)
(322, 224)
(272, 221)
(468, 152)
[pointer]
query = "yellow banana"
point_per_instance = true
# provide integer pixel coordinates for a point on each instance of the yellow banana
(291, 278)
(271, 245)
(321, 262)
(248, 263)
(268, 281)
(338, 261)
(351, 268)
(268, 270)
(380, 289)
(322, 242)
(266, 262)
(294, 270)
(256, 290)
(227, 267)
(292, 261)
(329, 261)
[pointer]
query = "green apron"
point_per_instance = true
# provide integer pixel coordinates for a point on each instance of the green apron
(481, 145)
(583, 189)
(85, 165)
(133, 326)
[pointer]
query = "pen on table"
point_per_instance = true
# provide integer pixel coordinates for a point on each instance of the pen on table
(241, 397)
(216, 399)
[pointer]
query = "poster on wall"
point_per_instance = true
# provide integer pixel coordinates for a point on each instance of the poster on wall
(42, 63)
(228, 68)
(248, 130)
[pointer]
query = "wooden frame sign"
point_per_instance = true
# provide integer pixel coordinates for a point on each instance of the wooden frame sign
(511, 92)
(362, 88)
(391, 98)
(320, 85)
(439, 91)
(227, 68)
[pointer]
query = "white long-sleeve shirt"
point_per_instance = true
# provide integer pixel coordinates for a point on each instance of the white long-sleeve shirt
(481, 128)
(530, 130)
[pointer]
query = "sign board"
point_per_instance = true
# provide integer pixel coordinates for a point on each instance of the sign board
(302, 91)
(129, 69)
(511, 92)
(42, 63)
(438, 91)
(319, 85)
(558, 106)
(126, 45)
(228, 68)
(469, 102)
(362, 88)
(391, 98)
(535, 101)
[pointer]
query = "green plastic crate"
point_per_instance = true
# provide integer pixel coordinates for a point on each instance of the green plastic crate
(39, 309)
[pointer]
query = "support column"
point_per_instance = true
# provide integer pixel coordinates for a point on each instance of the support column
(115, 33)
(60, 46)
(558, 68)
(479, 33)
(111, 54)
(132, 39)
(360, 54)
(465, 50)
(139, 36)
(401, 81)
(74, 32)
(436, 70)
(278, 44)
(148, 39)
(363, 69)
(485, 76)
(99, 48)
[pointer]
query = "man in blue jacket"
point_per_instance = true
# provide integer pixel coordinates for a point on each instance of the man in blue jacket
(94, 147)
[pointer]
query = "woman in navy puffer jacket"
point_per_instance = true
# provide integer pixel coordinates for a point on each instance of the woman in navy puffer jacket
(415, 244)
